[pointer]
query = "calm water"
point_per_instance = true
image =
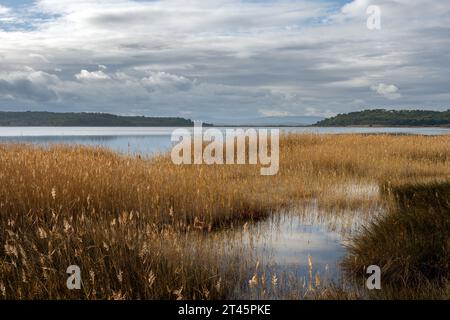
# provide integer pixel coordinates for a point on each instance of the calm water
(305, 243)
(288, 243)
(151, 140)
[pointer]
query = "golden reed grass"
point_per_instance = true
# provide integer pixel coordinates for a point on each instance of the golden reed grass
(136, 226)
(411, 242)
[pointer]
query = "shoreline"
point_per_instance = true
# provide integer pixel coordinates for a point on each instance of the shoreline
(233, 126)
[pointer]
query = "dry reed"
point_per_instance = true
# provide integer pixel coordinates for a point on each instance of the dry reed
(137, 226)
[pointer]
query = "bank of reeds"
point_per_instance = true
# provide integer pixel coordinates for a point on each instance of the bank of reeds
(410, 243)
(141, 228)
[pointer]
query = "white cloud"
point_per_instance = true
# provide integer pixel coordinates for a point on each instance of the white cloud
(94, 75)
(388, 91)
(4, 10)
(161, 79)
(356, 7)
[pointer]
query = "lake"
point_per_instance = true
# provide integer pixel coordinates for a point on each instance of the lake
(150, 140)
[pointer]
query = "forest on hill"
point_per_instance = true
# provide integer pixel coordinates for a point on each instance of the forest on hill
(53, 119)
(383, 117)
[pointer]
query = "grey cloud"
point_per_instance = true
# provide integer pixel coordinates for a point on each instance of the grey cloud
(27, 90)
(216, 58)
(34, 86)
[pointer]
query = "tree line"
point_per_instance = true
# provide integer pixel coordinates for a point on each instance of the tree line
(383, 117)
(53, 119)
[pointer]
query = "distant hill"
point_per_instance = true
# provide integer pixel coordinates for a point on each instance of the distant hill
(52, 119)
(383, 117)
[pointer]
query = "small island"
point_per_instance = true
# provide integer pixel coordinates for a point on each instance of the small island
(387, 118)
(54, 119)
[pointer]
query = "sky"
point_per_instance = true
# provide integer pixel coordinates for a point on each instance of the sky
(218, 60)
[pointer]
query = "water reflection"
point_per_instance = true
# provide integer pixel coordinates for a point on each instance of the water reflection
(301, 249)
(286, 242)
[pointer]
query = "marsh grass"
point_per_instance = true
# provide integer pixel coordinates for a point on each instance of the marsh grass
(143, 228)
(411, 243)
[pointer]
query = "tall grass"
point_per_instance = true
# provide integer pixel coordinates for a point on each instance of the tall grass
(142, 228)
(411, 243)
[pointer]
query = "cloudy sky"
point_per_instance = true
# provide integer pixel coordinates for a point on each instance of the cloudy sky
(217, 59)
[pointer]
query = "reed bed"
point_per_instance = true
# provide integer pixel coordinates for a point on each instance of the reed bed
(411, 243)
(141, 228)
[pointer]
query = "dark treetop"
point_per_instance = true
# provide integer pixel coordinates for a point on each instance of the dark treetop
(383, 117)
(51, 119)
